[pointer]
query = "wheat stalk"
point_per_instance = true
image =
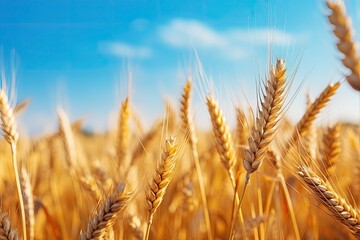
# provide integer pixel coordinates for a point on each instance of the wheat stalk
(189, 130)
(104, 218)
(28, 203)
(264, 129)
(340, 208)
(11, 135)
(161, 181)
(346, 45)
(308, 148)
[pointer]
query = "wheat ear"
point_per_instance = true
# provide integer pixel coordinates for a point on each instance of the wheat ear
(28, 203)
(123, 131)
(67, 138)
(161, 181)
(6, 231)
(189, 130)
(267, 118)
(331, 149)
(265, 126)
(223, 138)
(104, 218)
(11, 135)
(304, 125)
(340, 208)
(346, 45)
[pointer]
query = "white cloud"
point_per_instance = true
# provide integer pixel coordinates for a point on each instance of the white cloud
(122, 49)
(184, 33)
(230, 43)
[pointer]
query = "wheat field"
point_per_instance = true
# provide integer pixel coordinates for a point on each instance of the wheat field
(265, 178)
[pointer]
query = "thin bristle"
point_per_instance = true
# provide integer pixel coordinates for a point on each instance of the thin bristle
(340, 208)
(346, 45)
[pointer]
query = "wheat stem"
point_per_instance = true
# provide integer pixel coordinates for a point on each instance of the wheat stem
(188, 128)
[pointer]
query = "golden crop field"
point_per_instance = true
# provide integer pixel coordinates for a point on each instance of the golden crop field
(267, 178)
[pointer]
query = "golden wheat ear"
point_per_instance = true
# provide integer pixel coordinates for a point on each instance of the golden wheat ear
(123, 131)
(104, 218)
(304, 125)
(161, 181)
(346, 45)
(324, 193)
(224, 143)
(268, 116)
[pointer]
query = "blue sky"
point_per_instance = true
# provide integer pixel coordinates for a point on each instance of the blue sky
(77, 54)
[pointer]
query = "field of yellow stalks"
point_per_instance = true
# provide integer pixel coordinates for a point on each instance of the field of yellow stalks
(266, 178)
